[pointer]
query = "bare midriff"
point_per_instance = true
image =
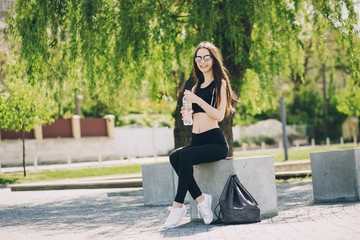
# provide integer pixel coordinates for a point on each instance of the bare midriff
(202, 123)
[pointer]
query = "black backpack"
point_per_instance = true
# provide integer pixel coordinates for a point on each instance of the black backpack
(236, 204)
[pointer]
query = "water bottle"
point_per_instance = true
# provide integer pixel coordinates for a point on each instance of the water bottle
(187, 108)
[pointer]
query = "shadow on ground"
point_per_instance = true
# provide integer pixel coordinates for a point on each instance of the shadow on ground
(102, 215)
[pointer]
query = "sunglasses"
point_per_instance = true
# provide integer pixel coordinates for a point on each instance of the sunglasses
(206, 58)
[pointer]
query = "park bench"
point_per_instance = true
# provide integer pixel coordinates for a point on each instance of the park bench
(159, 184)
(336, 175)
(257, 174)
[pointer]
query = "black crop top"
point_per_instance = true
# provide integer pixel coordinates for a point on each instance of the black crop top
(208, 94)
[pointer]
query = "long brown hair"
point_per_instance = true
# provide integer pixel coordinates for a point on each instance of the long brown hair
(219, 72)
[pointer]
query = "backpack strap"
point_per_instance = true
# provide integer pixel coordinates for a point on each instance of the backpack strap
(218, 216)
(212, 99)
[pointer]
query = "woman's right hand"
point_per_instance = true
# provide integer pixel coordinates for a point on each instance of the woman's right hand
(183, 113)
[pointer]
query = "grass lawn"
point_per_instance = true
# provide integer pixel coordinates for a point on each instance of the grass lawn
(295, 154)
(66, 174)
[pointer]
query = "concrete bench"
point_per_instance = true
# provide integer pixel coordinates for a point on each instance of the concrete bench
(257, 174)
(159, 182)
(336, 175)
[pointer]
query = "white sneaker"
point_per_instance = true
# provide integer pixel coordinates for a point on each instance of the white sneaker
(204, 209)
(175, 216)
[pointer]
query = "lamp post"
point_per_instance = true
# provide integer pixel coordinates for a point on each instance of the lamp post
(283, 120)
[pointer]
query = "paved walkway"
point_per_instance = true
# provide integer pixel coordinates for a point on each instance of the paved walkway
(120, 214)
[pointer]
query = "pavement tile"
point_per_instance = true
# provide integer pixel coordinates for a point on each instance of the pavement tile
(96, 214)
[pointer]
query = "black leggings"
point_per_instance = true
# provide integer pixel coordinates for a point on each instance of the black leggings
(205, 147)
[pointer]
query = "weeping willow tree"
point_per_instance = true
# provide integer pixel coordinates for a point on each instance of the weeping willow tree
(147, 45)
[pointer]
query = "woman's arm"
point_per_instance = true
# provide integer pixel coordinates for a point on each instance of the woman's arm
(215, 113)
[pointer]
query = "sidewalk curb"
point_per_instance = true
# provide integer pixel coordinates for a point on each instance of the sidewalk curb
(131, 182)
(283, 170)
(126, 183)
(292, 174)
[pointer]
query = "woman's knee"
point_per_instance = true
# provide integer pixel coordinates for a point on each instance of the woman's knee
(186, 157)
(174, 156)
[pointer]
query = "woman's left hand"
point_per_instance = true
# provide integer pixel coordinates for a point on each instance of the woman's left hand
(192, 97)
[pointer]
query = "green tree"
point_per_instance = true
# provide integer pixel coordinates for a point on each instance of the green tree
(22, 105)
(349, 99)
(149, 43)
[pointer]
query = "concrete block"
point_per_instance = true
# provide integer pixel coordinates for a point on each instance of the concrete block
(257, 174)
(336, 175)
(158, 183)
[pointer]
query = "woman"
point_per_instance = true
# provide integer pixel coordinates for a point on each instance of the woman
(211, 102)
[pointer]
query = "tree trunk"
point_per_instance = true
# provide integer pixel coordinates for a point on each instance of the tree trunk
(77, 100)
(236, 69)
(229, 52)
(226, 128)
(182, 134)
(23, 145)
